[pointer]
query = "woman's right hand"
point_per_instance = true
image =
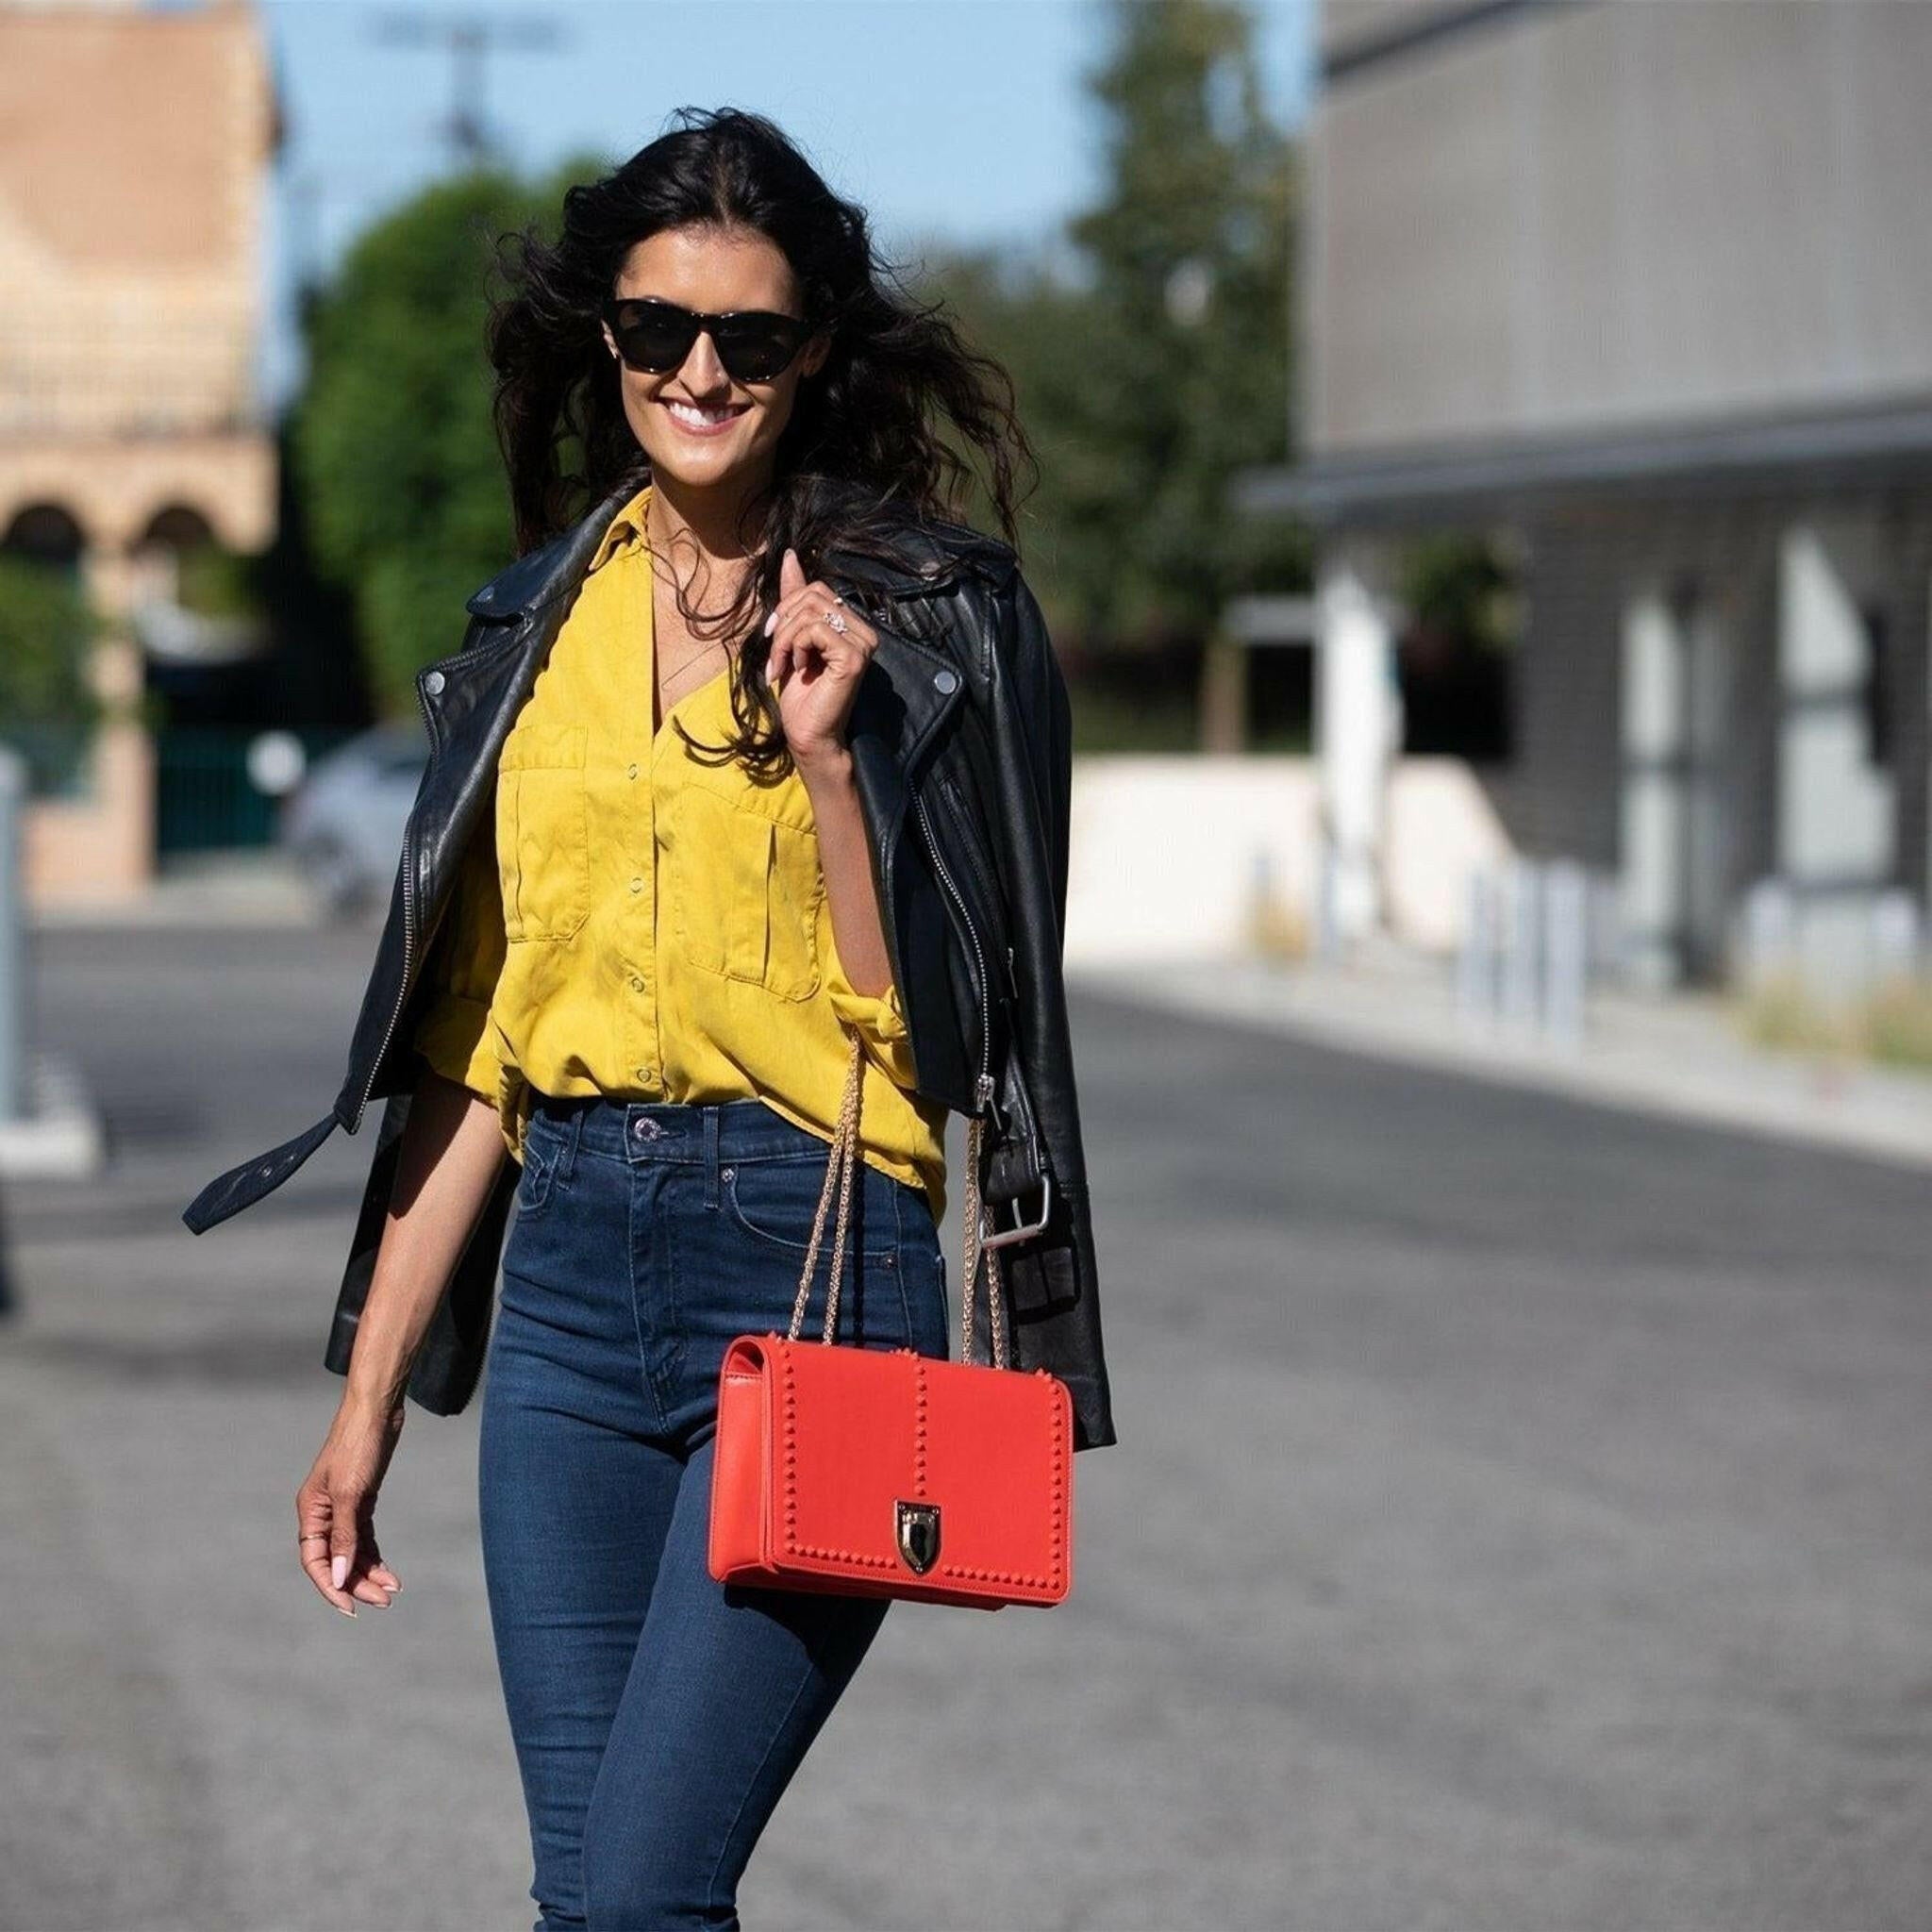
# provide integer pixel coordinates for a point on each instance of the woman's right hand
(335, 1510)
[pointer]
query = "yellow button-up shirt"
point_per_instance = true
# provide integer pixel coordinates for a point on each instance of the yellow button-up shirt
(650, 927)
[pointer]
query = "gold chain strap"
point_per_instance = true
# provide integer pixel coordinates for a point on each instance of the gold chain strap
(845, 1158)
(840, 1168)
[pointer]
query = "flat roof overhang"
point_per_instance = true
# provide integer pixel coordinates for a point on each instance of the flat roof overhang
(1490, 482)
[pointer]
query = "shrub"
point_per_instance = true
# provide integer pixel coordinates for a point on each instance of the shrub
(49, 708)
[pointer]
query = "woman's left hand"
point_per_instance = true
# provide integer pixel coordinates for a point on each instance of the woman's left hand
(814, 668)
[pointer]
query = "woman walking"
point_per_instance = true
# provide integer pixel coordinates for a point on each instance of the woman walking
(723, 823)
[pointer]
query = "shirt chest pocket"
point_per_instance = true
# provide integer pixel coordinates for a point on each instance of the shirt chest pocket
(745, 891)
(542, 831)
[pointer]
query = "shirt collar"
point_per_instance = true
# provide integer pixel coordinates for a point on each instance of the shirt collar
(625, 531)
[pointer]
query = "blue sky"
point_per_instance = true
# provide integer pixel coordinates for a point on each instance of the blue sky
(948, 119)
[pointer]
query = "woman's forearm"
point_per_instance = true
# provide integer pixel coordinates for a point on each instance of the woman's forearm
(845, 858)
(452, 1151)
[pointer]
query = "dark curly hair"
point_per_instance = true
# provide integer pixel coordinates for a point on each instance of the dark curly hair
(870, 416)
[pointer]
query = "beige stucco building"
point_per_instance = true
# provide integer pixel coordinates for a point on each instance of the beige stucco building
(133, 149)
(1642, 292)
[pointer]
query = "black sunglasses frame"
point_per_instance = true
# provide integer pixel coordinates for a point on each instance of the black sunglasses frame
(726, 330)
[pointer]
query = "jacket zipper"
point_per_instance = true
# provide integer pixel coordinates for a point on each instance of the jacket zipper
(957, 811)
(409, 926)
(983, 1085)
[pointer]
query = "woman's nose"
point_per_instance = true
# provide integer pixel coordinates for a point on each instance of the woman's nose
(702, 371)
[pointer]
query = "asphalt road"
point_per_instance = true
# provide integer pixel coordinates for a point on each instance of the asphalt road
(1523, 1519)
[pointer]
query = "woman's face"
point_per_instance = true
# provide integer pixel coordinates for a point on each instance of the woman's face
(714, 270)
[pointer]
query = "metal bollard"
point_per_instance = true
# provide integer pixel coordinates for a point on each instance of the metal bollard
(1522, 945)
(1566, 948)
(1476, 989)
(1895, 937)
(1327, 935)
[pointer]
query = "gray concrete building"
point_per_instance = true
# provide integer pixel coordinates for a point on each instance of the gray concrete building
(1644, 292)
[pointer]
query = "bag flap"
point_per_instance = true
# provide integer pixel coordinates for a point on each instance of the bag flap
(871, 1446)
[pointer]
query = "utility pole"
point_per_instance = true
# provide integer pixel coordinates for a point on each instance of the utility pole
(469, 38)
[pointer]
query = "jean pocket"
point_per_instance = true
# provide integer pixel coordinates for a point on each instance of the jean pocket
(540, 1151)
(923, 1277)
(776, 1201)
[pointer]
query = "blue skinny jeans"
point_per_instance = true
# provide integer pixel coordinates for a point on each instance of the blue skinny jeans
(656, 1715)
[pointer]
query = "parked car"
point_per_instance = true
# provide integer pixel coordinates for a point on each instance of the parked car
(344, 822)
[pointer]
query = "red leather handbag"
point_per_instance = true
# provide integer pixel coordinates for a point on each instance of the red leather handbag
(882, 1472)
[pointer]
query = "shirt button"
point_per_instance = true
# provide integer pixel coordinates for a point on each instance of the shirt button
(631, 770)
(637, 984)
(637, 885)
(644, 1074)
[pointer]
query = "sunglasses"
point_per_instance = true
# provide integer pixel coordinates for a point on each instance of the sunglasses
(655, 337)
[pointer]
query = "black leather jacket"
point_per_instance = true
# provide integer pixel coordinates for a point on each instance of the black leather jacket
(961, 755)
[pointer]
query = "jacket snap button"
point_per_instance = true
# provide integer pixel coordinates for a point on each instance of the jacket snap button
(946, 681)
(433, 683)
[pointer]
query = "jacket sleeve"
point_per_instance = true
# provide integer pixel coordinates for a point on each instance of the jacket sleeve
(1045, 720)
(1050, 1278)
(455, 1033)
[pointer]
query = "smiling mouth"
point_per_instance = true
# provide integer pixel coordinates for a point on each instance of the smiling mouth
(692, 416)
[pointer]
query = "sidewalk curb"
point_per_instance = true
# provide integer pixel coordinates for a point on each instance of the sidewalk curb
(204, 903)
(1878, 1115)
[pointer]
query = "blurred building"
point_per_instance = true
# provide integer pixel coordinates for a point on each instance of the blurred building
(1641, 292)
(132, 149)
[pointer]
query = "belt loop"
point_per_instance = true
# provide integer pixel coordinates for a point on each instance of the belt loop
(712, 1115)
(571, 1140)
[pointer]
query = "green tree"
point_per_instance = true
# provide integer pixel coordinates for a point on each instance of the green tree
(1162, 366)
(49, 708)
(397, 462)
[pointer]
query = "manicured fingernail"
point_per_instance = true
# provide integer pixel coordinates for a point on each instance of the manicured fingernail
(770, 621)
(347, 1610)
(338, 1569)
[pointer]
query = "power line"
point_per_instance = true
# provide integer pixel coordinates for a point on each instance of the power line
(469, 38)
